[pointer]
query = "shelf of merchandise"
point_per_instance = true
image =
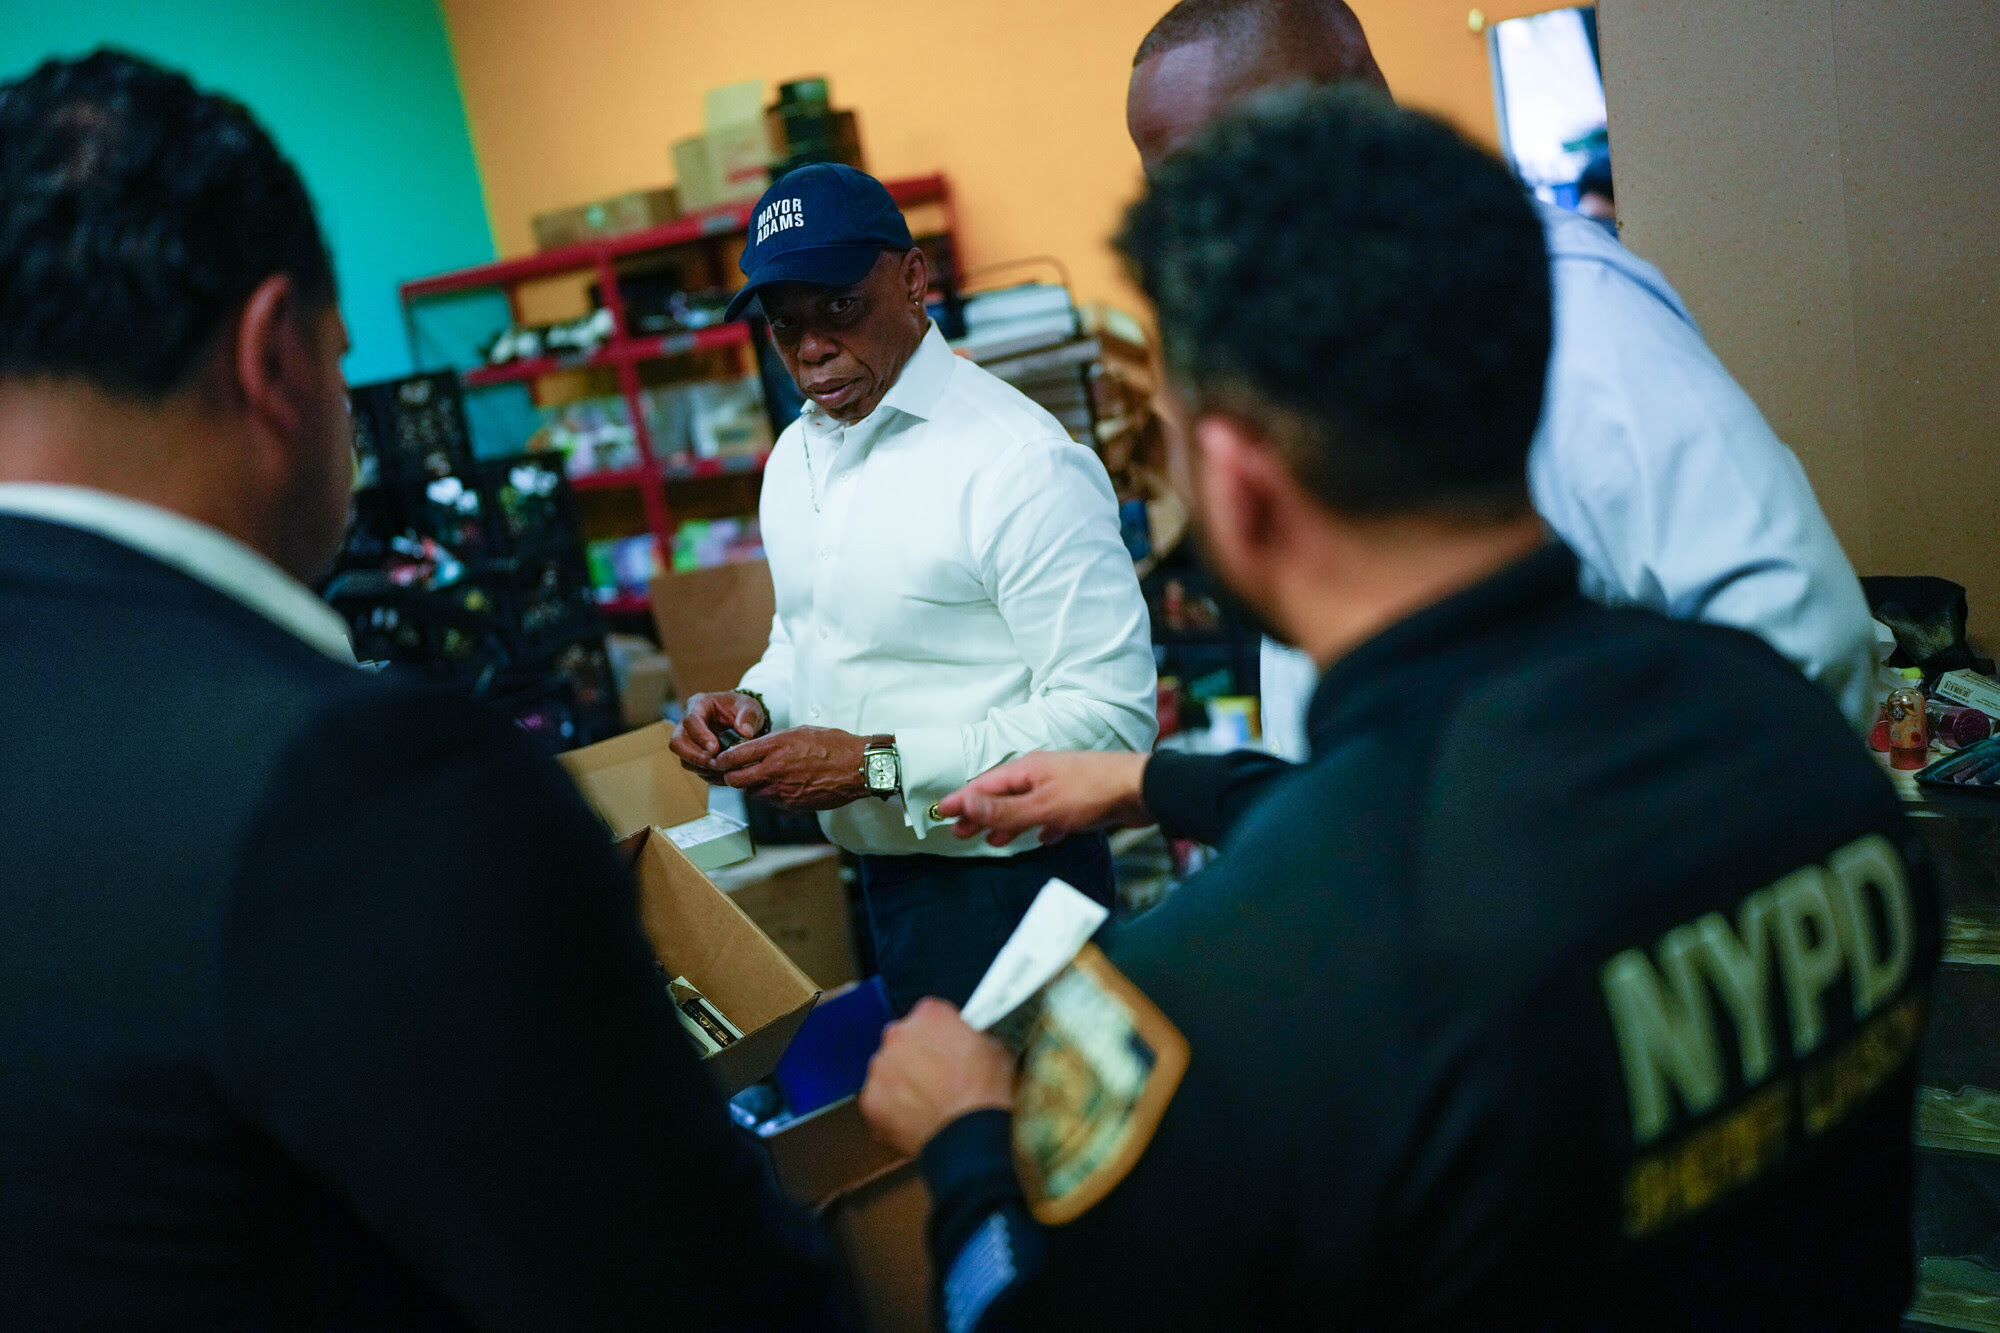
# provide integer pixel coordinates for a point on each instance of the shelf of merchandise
(623, 352)
(612, 354)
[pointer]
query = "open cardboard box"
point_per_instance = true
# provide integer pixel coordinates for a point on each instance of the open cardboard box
(881, 1227)
(636, 782)
(700, 934)
(873, 1199)
(796, 895)
(875, 1204)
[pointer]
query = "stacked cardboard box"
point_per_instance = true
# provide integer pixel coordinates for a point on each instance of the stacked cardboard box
(714, 623)
(729, 162)
(634, 211)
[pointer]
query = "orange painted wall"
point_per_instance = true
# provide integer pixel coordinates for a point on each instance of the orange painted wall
(1021, 102)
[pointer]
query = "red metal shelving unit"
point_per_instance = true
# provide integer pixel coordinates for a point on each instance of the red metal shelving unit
(623, 352)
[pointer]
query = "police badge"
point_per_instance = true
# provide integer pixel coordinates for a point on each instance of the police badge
(1100, 1067)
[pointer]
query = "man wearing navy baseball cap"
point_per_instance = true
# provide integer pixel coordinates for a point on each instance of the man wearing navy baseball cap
(952, 592)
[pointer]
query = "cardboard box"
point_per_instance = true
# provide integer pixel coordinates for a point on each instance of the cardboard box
(794, 894)
(713, 623)
(874, 1203)
(880, 1227)
(697, 932)
(730, 160)
(873, 1200)
(615, 216)
(1971, 689)
(643, 691)
(635, 781)
(821, 1156)
(827, 1147)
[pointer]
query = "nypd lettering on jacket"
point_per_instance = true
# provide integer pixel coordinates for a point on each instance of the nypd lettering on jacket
(783, 215)
(1773, 968)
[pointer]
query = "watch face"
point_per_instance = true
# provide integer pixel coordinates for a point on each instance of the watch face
(881, 772)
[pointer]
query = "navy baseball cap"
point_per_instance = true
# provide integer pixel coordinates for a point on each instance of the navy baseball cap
(823, 224)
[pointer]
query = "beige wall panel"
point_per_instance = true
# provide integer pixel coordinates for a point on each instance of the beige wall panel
(1821, 178)
(1725, 138)
(1920, 132)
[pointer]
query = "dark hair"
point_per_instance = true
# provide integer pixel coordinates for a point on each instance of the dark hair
(136, 214)
(1363, 286)
(1226, 20)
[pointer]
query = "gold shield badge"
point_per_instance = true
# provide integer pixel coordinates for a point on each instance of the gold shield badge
(1100, 1068)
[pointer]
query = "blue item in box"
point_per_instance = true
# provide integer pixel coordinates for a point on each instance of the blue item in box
(828, 1059)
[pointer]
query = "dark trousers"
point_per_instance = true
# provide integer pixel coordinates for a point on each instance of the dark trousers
(938, 921)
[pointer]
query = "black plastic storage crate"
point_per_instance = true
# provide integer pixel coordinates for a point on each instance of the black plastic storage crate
(545, 603)
(469, 572)
(534, 512)
(414, 427)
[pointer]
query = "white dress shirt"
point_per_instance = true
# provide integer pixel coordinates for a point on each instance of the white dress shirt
(949, 570)
(1660, 473)
(204, 554)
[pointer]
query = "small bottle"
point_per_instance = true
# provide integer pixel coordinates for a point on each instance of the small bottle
(1955, 727)
(1909, 730)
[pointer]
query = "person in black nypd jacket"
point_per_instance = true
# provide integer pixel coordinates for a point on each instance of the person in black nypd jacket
(1576, 979)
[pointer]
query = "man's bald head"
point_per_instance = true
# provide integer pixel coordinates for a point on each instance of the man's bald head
(1204, 56)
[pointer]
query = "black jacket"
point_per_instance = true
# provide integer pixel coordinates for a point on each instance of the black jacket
(1575, 982)
(323, 1001)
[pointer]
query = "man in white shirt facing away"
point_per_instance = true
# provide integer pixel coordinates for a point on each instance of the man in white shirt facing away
(1651, 463)
(952, 593)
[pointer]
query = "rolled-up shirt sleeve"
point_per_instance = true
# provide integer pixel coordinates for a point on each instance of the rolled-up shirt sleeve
(1051, 559)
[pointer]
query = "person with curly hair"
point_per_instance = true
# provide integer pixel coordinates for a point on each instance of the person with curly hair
(1650, 462)
(1523, 1003)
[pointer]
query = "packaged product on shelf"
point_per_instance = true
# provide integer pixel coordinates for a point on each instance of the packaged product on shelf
(666, 410)
(621, 566)
(706, 543)
(726, 418)
(633, 211)
(596, 434)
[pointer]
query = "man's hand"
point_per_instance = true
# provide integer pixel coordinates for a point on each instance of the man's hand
(1059, 793)
(696, 740)
(804, 768)
(933, 1068)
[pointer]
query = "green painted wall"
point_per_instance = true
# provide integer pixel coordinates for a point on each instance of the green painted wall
(361, 94)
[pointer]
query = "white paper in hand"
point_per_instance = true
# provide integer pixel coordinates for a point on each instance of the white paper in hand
(1058, 923)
